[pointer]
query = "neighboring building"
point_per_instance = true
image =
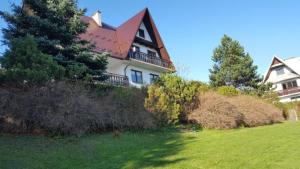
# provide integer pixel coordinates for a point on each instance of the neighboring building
(285, 77)
(138, 55)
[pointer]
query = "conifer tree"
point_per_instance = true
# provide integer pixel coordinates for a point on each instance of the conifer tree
(232, 66)
(55, 26)
(26, 65)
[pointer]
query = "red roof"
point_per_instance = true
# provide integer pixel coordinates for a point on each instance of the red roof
(118, 41)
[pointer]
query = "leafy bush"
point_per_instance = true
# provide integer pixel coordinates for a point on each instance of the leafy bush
(228, 91)
(171, 98)
(223, 112)
(72, 108)
(24, 63)
(201, 87)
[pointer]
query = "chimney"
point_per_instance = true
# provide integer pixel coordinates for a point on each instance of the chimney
(97, 18)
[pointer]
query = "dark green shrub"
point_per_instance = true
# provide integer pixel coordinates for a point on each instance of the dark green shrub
(227, 91)
(25, 64)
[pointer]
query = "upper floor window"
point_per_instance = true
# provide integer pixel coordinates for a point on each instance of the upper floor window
(151, 53)
(289, 85)
(135, 48)
(153, 77)
(136, 76)
(141, 33)
(280, 71)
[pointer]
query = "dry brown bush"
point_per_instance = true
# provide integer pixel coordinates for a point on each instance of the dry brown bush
(67, 108)
(222, 112)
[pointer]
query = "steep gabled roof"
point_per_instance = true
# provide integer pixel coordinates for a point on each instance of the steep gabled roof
(118, 40)
(293, 65)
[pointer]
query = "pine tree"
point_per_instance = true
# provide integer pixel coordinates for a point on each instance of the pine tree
(25, 64)
(232, 66)
(55, 26)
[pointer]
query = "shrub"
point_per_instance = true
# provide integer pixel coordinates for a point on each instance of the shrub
(227, 91)
(24, 63)
(72, 108)
(287, 107)
(200, 86)
(223, 112)
(171, 98)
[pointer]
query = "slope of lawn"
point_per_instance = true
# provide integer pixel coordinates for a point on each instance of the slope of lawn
(276, 146)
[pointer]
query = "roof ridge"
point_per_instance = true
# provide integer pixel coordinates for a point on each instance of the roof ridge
(128, 20)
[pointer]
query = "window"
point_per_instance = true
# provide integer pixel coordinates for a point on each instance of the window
(280, 71)
(288, 85)
(153, 77)
(151, 53)
(141, 33)
(136, 76)
(295, 98)
(135, 48)
(284, 86)
(295, 83)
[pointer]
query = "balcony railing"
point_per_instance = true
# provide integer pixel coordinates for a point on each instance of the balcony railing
(289, 91)
(112, 79)
(149, 59)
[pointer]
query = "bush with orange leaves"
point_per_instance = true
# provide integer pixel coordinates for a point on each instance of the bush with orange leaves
(224, 112)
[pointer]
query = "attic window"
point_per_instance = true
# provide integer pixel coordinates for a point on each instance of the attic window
(280, 71)
(141, 33)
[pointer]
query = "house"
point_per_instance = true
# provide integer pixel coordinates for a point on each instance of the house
(137, 53)
(285, 77)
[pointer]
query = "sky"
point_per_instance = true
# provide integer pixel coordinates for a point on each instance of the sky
(192, 29)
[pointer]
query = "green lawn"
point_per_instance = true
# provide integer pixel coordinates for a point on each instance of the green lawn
(276, 146)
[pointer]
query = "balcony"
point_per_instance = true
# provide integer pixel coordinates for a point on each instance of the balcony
(289, 91)
(112, 79)
(144, 57)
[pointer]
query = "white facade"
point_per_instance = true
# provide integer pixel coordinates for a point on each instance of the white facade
(285, 77)
(145, 49)
(147, 36)
(125, 67)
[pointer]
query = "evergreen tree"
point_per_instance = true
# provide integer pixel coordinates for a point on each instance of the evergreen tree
(232, 66)
(55, 26)
(25, 64)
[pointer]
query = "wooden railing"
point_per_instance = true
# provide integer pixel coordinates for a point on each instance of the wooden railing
(289, 91)
(113, 79)
(149, 59)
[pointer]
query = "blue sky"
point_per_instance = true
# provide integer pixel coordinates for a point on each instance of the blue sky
(191, 29)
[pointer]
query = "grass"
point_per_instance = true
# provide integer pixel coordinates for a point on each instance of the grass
(276, 146)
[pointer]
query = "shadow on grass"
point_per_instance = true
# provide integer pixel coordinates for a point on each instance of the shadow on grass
(129, 150)
(157, 150)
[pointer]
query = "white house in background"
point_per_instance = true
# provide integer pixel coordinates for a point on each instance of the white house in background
(138, 54)
(285, 77)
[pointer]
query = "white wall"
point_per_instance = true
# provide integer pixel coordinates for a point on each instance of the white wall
(278, 85)
(147, 36)
(274, 78)
(145, 49)
(121, 67)
(288, 98)
(145, 73)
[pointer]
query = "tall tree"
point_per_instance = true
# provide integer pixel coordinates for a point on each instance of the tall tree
(25, 64)
(55, 26)
(232, 66)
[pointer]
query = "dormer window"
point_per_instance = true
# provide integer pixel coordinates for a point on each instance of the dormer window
(141, 33)
(280, 71)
